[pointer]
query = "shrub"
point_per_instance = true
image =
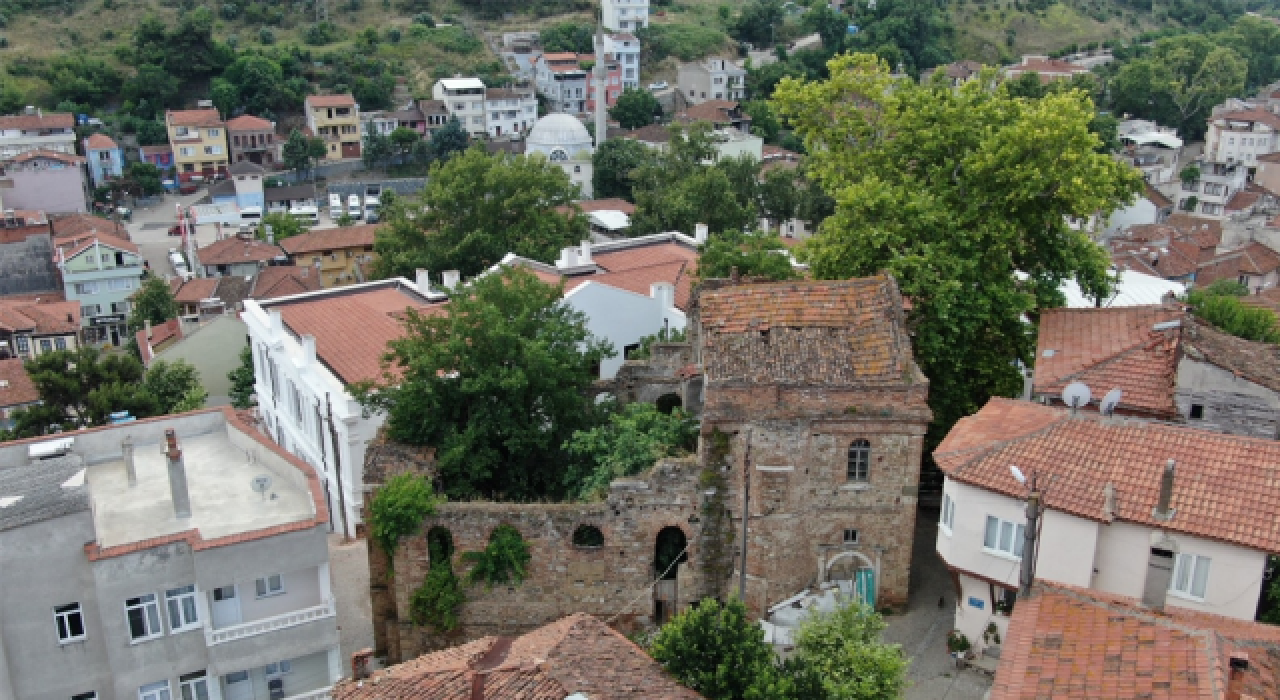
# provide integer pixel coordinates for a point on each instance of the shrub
(266, 36)
(505, 560)
(424, 18)
(436, 601)
(685, 41)
(398, 509)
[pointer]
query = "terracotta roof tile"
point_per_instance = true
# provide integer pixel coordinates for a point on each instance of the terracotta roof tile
(248, 122)
(1255, 362)
(1074, 644)
(194, 290)
(1243, 200)
(1224, 490)
(193, 117)
(649, 257)
(233, 250)
(42, 318)
(715, 111)
(16, 387)
(611, 204)
(78, 224)
(45, 120)
(331, 239)
(1253, 259)
(331, 101)
(1250, 115)
(68, 158)
(101, 142)
(282, 281)
(1156, 197)
(162, 335)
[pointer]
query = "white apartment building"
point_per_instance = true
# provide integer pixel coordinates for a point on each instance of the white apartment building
(509, 111)
(712, 79)
(624, 15)
(464, 98)
(560, 78)
(625, 49)
(1218, 183)
(1240, 133)
(1146, 510)
(174, 558)
(34, 130)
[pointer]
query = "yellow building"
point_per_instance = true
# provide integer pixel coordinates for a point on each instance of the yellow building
(336, 119)
(198, 138)
(342, 255)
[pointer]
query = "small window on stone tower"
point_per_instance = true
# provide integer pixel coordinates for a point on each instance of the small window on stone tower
(1197, 412)
(850, 536)
(859, 460)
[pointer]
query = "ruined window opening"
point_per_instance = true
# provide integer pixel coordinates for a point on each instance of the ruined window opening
(669, 549)
(859, 460)
(588, 536)
(668, 403)
(439, 546)
(629, 350)
(1197, 412)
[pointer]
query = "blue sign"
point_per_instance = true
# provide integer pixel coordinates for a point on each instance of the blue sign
(82, 118)
(977, 603)
(852, 29)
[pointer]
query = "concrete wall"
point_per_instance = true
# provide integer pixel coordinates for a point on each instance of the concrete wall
(621, 317)
(1140, 212)
(301, 590)
(27, 266)
(1229, 403)
(56, 190)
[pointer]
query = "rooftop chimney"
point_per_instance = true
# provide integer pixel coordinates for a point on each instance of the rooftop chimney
(309, 349)
(127, 448)
(1159, 571)
(423, 280)
(1162, 511)
(700, 233)
(477, 685)
(451, 278)
(277, 323)
(177, 476)
(584, 256)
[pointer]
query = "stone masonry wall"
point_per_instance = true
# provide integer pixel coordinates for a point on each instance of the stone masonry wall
(1230, 412)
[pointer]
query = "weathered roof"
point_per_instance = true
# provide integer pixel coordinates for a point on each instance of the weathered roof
(44, 120)
(248, 122)
(1077, 644)
(1252, 259)
(194, 290)
(43, 318)
(1156, 197)
(1250, 115)
(1224, 488)
(813, 332)
(577, 654)
(233, 250)
(715, 111)
(1252, 361)
(193, 117)
(162, 335)
(42, 153)
(40, 492)
(16, 387)
(331, 101)
(330, 239)
(610, 204)
(282, 281)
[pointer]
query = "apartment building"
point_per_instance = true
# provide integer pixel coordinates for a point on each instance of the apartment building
(422, 116)
(561, 79)
(624, 15)
(711, 79)
(612, 84)
(100, 273)
(35, 130)
(1208, 195)
(625, 49)
(198, 138)
(509, 110)
(340, 256)
(253, 139)
(104, 157)
(336, 120)
(172, 558)
(48, 181)
(1240, 133)
(464, 99)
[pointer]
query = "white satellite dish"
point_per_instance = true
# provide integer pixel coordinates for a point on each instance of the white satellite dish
(1110, 401)
(1017, 474)
(260, 484)
(1076, 394)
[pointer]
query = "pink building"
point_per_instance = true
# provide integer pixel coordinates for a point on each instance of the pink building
(613, 86)
(49, 181)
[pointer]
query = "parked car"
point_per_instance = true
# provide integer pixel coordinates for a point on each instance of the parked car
(660, 85)
(188, 188)
(175, 230)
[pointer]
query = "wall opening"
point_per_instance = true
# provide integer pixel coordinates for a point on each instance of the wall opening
(439, 546)
(668, 403)
(588, 536)
(669, 553)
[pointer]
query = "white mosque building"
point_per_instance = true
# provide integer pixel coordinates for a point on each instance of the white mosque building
(564, 140)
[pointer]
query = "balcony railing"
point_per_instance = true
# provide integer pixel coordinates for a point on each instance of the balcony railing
(320, 694)
(270, 624)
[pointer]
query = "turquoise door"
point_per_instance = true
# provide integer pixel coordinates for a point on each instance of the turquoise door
(864, 586)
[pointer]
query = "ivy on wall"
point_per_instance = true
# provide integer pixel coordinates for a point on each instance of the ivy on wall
(504, 561)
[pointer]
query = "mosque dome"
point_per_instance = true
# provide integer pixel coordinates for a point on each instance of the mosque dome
(558, 135)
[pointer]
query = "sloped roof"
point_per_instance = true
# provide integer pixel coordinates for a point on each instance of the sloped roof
(1156, 197)
(100, 142)
(282, 281)
(611, 204)
(194, 290)
(1242, 200)
(1253, 259)
(1249, 360)
(1077, 644)
(577, 654)
(248, 122)
(645, 265)
(330, 239)
(81, 224)
(1250, 115)
(233, 250)
(162, 335)
(1224, 488)
(814, 332)
(39, 153)
(41, 120)
(711, 110)
(331, 101)
(193, 117)
(40, 318)
(16, 387)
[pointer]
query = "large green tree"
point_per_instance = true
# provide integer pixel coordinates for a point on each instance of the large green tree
(449, 140)
(475, 209)
(175, 386)
(635, 108)
(496, 382)
(613, 165)
(1178, 81)
(682, 187)
(757, 254)
(243, 384)
(844, 648)
(629, 442)
(954, 191)
(152, 302)
(914, 33)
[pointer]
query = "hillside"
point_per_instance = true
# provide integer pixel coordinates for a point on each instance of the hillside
(1001, 31)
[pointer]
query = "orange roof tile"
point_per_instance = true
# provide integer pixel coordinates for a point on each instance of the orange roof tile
(1224, 489)
(1253, 259)
(648, 256)
(44, 120)
(282, 281)
(1250, 115)
(248, 122)
(331, 239)
(162, 335)
(101, 142)
(79, 224)
(611, 204)
(232, 250)
(1074, 644)
(193, 117)
(41, 318)
(331, 101)
(16, 387)
(194, 290)
(68, 158)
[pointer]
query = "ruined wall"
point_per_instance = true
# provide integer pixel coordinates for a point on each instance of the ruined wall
(26, 266)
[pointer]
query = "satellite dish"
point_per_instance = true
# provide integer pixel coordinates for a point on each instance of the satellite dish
(1017, 474)
(1110, 401)
(260, 484)
(1076, 395)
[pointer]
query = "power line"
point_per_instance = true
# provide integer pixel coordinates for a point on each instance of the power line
(649, 588)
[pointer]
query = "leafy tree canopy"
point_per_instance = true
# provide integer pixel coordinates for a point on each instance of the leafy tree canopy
(678, 189)
(1220, 306)
(628, 443)
(635, 108)
(973, 186)
(152, 302)
(613, 165)
(242, 381)
(175, 386)
(496, 383)
(914, 33)
(844, 648)
(758, 254)
(567, 36)
(398, 507)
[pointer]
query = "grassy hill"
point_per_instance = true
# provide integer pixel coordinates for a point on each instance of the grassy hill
(1005, 30)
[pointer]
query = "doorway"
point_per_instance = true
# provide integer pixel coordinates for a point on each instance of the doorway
(670, 550)
(226, 607)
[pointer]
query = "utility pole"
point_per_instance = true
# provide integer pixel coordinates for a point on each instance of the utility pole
(337, 468)
(1028, 573)
(746, 514)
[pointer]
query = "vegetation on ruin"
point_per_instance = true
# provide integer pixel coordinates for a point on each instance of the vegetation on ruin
(504, 561)
(398, 508)
(1220, 306)
(758, 254)
(632, 438)
(665, 335)
(437, 601)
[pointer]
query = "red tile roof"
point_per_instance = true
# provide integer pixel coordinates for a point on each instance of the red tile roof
(39, 153)
(650, 257)
(1253, 259)
(331, 239)
(194, 290)
(101, 142)
(40, 318)
(1156, 197)
(331, 101)
(611, 204)
(577, 654)
(193, 117)
(162, 336)
(45, 120)
(1074, 644)
(68, 247)
(1224, 489)
(232, 250)
(16, 387)
(1242, 200)
(716, 111)
(74, 225)
(1047, 66)
(1250, 115)
(159, 149)
(282, 281)
(248, 122)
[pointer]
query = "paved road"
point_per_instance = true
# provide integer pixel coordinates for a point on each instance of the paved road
(922, 630)
(149, 229)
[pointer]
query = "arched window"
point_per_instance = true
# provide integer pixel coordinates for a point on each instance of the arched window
(588, 536)
(859, 460)
(558, 155)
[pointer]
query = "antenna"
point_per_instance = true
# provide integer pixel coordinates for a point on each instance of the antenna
(1110, 401)
(1075, 395)
(261, 484)
(1017, 474)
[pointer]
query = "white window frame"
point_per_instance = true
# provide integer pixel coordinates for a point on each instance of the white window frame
(62, 616)
(190, 684)
(1185, 569)
(150, 616)
(1017, 530)
(159, 690)
(264, 589)
(947, 521)
(278, 668)
(175, 600)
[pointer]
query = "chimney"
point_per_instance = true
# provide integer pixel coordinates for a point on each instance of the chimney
(477, 685)
(277, 323)
(1159, 571)
(146, 324)
(127, 448)
(664, 293)
(733, 274)
(1162, 511)
(308, 349)
(451, 278)
(423, 279)
(584, 256)
(700, 233)
(360, 664)
(177, 476)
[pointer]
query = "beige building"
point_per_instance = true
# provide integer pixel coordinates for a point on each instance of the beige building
(340, 256)
(336, 119)
(198, 138)
(712, 79)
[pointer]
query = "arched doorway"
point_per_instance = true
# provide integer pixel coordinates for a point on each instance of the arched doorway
(855, 574)
(439, 547)
(668, 403)
(669, 551)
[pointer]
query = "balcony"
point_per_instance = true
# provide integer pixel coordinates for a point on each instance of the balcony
(320, 694)
(270, 624)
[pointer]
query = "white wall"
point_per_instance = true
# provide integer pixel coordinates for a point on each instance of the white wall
(301, 590)
(1140, 212)
(621, 317)
(1202, 376)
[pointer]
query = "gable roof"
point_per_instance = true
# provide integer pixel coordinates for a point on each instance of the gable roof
(193, 117)
(331, 101)
(818, 332)
(100, 142)
(248, 122)
(162, 335)
(1072, 643)
(1156, 197)
(67, 247)
(1224, 488)
(575, 655)
(1249, 115)
(45, 154)
(81, 224)
(40, 318)
(330, 239)
(232, 250)
(39, 120)
(282, 281)
(1255, 362)
(196, 289)
(1253, 259)
(16, 387)
(715, 111)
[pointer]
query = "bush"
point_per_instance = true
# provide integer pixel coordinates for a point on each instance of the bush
(266, 36)
(504, 561)
(1222, 308)
(398, 509)
(685, 41)
(425, 19)
(454, 39)
(322, 33)
(435, 603)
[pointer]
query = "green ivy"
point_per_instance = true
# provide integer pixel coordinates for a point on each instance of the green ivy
(504, 561)
(398, 509)
(437, 600)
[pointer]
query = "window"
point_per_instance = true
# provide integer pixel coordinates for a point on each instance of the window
(143, 616)
(1190, 574)
(271, 585)
(86, 288)
(155, 691)
(182, 608)
(85, 696)
(859, 460)
(120, 284)
(45, 345)
(193, 686)
(948, 513)
(120, 307)
(850, 536)
(215, 133)
(1197, 411)
(1004, 537)
(186, 151)
(60, 343)
(24, 345)
(70, 621)
(278, 669)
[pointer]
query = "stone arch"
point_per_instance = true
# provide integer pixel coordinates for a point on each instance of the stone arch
(440, 547)
(869, 591)
(856, 557)
(668, 403)
(588, 536)
(669, 545)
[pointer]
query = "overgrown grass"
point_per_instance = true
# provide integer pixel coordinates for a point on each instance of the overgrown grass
(983, 29)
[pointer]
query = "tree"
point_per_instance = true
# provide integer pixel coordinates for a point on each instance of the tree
(403, 142)
(152, 302)
(757, 254)
(376, 151)
(243, 384)
(449, 140)
(397, 509)
(567, 36)
(260, 84)
(763, 121)
(175, 386)
(629, 442)
(475, 209)
(613, 164)
(913, 32)
(843, 647)
(1219, 305)
(143, 178)
(719, 652)
(81, 388)
(502, 372)
(758, 21)
(282, 226)
(678, 189)
(296, 153)
(831, 24)
(635, 108)
(778, 195)
(952, 192)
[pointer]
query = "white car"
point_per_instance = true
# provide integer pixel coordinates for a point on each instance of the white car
(660, 85)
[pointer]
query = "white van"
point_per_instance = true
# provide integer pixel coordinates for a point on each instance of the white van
(251, 216)
(371, 205)
(354, 210)
(335, 206)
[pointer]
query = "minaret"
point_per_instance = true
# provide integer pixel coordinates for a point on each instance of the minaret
(601, 78)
